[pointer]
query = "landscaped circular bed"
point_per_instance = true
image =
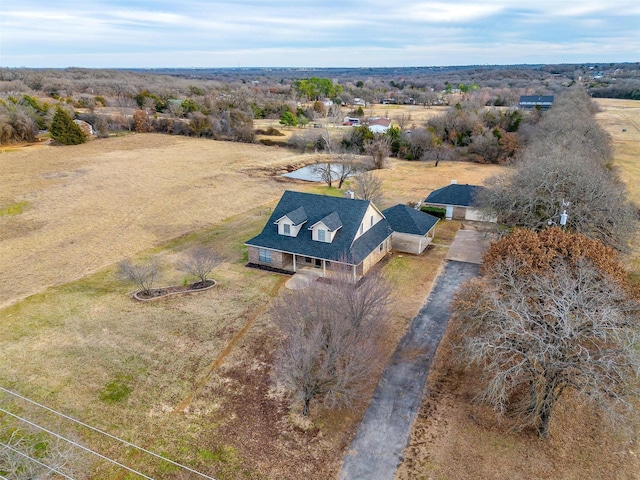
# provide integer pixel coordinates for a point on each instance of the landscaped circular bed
(163, 292)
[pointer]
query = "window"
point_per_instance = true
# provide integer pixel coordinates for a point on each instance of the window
(286, 229)
(381, 247)
(264, 255)
(361, 228)
(321, 235)
(372, 220)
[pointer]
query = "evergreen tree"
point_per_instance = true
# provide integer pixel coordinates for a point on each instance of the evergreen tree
(288, 119)
(64, 130)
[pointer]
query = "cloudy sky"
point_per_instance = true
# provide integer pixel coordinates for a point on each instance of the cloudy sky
(322, 33)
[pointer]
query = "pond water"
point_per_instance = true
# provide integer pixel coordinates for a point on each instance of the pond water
(311, 173)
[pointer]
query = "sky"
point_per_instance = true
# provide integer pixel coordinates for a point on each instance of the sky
(286, 33)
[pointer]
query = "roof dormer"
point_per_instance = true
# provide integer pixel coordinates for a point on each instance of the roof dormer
(290, 224)
(324, 230)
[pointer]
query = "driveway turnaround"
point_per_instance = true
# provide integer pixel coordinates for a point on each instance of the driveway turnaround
(376, 450)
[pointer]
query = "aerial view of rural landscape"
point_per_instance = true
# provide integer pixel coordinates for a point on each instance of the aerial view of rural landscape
(348, 240)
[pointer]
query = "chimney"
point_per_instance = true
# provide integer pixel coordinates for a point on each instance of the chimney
(454, 182)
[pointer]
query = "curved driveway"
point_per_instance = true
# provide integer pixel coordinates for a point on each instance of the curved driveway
(376, 450)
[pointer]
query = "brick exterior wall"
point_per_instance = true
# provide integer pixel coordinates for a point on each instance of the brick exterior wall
(278, 259)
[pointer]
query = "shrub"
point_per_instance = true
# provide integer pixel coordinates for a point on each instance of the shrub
(435, 211)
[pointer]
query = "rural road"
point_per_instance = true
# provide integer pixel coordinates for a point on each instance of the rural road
(376, 450)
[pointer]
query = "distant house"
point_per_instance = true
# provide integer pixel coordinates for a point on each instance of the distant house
(319, 231)
(458, 201)
(543, 102)
(413, 230)
(353, 121)
(359, 102)
(379, 125)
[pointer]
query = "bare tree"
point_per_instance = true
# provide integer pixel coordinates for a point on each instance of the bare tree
(142, 275)
(346, 165)
(569, 158)
(368, 187)
(339, 165)
(552, 312)
(419, 141)
(379, 148)
(199, 263)
(330, 339)
(438, 152)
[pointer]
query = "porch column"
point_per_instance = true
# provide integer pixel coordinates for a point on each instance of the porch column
(324, 268)
(294, 262)
(354, 274)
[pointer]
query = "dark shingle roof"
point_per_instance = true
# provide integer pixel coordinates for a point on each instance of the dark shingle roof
(454, 194)
(320, 207)
(332, 221)
(530, 101)
(405, 219)
(297, 216)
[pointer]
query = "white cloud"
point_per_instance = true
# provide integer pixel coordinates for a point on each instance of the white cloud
(357, 33)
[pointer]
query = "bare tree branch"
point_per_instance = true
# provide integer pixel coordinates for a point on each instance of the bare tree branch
(368, 187)
(545, 318)
(330, 338)
(199, 263)
(142, 275)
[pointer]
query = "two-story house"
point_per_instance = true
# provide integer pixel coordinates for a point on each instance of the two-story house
(307, 230)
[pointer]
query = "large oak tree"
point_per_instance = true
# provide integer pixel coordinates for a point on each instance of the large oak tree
(553, 311)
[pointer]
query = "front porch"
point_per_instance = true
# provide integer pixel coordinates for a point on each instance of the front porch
(318, 266)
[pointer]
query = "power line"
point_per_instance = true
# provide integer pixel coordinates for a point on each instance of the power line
(51, 469)
(76, 444)
(129, 444)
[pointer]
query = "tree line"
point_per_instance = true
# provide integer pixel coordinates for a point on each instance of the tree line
(555, 309)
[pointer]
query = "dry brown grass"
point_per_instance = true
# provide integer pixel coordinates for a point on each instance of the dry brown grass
(616, 116)
(94, 204)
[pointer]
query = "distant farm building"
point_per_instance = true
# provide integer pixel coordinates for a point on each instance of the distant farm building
(542, 102)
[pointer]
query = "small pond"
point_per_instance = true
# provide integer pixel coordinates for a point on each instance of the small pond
(311, 173)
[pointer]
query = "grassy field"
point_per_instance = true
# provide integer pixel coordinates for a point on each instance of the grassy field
(190, 376)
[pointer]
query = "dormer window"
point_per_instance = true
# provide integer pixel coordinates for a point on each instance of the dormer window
(326, 229)
(291, 223)
(361, 228)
